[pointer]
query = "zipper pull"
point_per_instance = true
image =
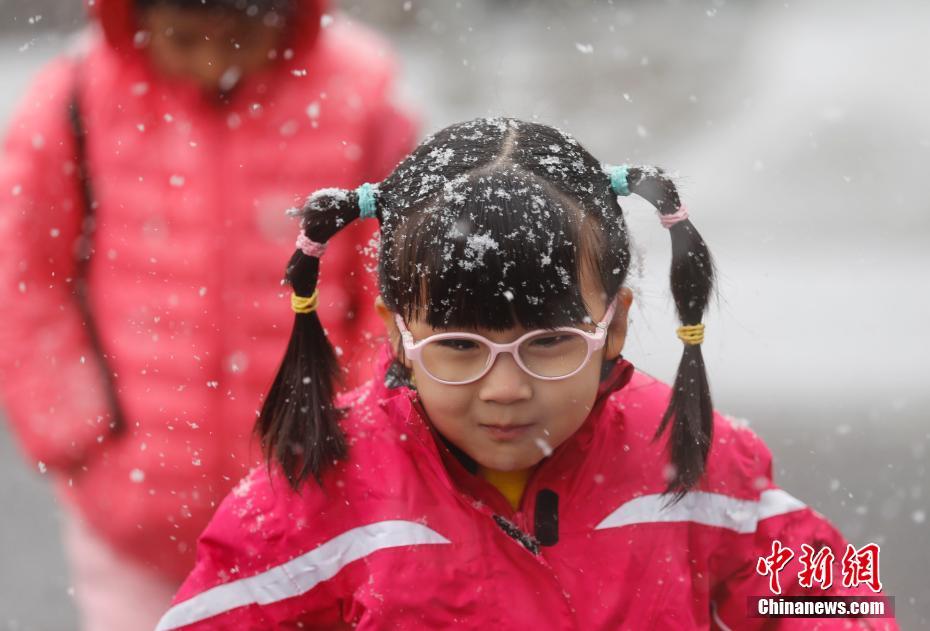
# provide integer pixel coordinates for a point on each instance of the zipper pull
(526, 540)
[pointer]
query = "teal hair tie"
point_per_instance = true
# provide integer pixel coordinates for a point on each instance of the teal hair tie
(619, 180)
(366, 201)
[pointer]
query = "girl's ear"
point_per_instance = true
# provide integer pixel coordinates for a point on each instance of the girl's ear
(387, 317)
(616, 332)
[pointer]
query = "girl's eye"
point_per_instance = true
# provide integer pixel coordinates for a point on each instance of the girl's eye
(458, 344)
(549, 341)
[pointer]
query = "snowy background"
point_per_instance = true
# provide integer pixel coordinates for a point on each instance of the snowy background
(800, 132)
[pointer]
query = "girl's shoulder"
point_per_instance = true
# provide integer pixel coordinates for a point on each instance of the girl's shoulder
(246, 532)
(44, 106)
(264, 520)
(373, 423)
(738, 463)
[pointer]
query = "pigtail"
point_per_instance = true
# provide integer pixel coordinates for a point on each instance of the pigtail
(298, 425)
(690, 410)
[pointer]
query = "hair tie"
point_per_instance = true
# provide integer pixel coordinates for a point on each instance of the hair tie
(310, 247)
(619, 180)
(366, 201)
(677, 217)
(692, 334)
(303, 305)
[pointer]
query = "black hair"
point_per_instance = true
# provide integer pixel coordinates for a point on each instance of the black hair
(249, 7)
(507, 215)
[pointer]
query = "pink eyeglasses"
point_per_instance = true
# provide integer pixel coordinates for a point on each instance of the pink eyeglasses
(549, 354)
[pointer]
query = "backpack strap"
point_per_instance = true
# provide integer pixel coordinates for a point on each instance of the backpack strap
(84, 251)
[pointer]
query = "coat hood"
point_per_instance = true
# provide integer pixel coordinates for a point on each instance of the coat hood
(118, 21)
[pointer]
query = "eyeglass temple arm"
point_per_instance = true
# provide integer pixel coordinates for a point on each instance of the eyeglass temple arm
(608, 317)
(405, 333)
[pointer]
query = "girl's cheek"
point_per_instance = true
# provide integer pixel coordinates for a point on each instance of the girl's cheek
(444, 400)
(457, 400)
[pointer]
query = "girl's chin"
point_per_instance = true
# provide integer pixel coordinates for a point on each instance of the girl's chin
(508, 464)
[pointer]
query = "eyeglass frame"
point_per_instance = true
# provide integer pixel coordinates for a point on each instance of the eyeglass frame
(595, 342)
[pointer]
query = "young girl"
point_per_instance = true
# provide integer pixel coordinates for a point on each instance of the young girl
(506, 472)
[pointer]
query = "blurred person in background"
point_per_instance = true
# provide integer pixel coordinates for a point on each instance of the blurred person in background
(142, 191)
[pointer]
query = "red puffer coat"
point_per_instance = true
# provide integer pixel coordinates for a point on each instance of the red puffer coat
(402, 536)
(190, 249)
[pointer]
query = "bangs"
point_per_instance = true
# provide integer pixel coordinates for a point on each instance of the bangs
(492, 250)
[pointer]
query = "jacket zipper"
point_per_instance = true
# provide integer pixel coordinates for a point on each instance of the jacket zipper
(511, 526)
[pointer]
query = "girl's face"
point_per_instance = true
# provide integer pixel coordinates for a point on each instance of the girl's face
(509, 420)
(212, 48)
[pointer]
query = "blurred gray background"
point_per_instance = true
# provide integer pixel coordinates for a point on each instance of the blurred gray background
(801, 137)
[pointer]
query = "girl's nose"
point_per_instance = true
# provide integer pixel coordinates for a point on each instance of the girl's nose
(506, 382)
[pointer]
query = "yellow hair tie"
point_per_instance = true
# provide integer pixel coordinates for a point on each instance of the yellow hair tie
(305, 305)
(691, 335)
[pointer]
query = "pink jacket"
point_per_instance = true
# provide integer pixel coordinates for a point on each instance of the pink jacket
(190, 250)
(402, 536)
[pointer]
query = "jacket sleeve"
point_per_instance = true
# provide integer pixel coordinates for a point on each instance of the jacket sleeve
(50, 383)
(787, 520)
(248, 573)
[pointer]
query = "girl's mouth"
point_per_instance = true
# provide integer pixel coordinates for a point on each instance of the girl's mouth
(507, 432)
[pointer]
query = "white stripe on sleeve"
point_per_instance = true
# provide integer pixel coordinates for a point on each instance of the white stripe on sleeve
(777, 502)
(301, 574)
(709, 509)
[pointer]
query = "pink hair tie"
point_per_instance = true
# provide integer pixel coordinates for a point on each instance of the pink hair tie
(670, 220)
(309, 247)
